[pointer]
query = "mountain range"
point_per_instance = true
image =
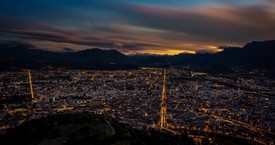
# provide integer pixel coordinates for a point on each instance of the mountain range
(256, 54)
(22, 55)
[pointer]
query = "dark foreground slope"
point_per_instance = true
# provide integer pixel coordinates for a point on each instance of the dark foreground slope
(85, 129)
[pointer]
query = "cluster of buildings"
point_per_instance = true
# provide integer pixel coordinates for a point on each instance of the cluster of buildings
(238, 104)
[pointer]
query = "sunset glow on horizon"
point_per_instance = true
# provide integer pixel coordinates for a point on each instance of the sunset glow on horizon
(161, 52)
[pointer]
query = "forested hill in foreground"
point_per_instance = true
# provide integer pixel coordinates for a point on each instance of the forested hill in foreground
(86, 129)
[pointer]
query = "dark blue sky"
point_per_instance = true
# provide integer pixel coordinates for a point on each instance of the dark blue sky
(137, 26)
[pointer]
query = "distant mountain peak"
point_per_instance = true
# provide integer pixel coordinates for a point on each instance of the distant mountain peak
(262, 44)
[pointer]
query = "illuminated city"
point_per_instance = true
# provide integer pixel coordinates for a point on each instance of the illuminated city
(238, 105)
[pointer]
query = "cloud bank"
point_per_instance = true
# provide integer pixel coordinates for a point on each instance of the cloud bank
(137, 27)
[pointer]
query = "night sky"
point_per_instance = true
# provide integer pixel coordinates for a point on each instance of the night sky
(137, 26)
